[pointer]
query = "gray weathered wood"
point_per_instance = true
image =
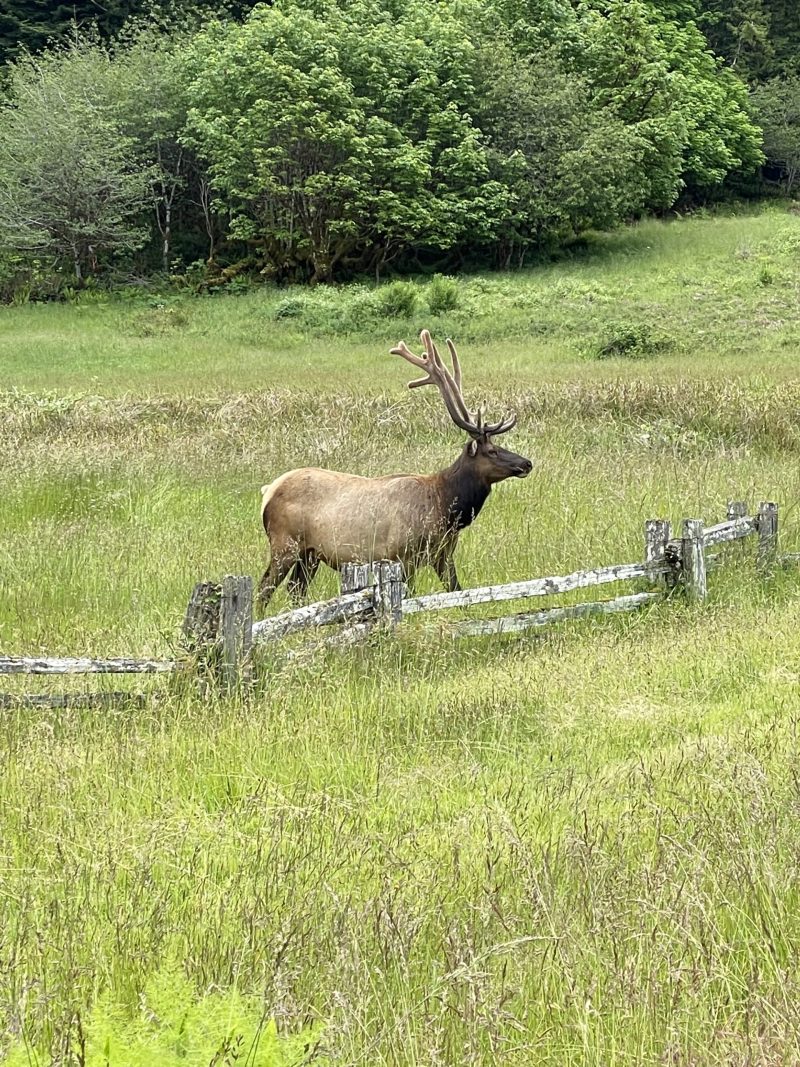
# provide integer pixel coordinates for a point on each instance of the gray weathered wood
(82, 665)
(694, 560)
(767, 535)
(657, 534)
(235, 629)
(533, 588)
(386, 578)
(731, 530)
(341, 609)
(737, 509)
(72, 700)
(550, 616)
(356, 576)
(201, 622)
(390, 590)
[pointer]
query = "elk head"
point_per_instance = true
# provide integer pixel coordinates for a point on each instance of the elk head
(490, 462)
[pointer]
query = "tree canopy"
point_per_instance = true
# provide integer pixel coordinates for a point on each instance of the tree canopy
(313, 139)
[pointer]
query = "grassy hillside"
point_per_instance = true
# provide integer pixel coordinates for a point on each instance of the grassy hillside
(572, 849)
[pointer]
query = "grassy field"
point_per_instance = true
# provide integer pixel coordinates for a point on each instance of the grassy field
(574, 849)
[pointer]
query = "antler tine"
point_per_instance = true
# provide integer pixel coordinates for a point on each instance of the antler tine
(492, 429)
(456, 364)
(438, 375)
(449, 385)
(453, 384)
(402, 349)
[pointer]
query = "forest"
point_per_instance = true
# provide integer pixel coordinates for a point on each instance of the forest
(321, 140)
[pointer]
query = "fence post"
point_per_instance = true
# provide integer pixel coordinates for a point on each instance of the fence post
(201, 622)
(657, 533)
(694, 560)
(767, 535)
(236, 630)
(356, 576)
(390, 590)
(737, 509)
(387, 581)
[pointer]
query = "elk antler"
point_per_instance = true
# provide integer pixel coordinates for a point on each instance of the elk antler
(449, 386)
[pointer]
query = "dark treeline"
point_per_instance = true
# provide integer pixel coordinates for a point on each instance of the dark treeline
(317, 139)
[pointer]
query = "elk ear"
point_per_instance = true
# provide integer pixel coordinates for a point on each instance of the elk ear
(473, 448)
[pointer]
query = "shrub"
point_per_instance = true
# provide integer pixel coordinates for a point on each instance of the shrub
(159, 320)
(442, 294)
(397, 300)
(291, 307)
(631, 340)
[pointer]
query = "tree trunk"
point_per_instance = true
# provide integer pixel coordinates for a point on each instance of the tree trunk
(76, 260)
(166, 234)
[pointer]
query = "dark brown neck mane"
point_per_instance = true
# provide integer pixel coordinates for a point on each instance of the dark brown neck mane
(464, 491)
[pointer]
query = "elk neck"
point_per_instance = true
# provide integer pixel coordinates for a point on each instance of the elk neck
(464, 491)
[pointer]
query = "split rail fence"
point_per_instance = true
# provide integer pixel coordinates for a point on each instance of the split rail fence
(219, 634)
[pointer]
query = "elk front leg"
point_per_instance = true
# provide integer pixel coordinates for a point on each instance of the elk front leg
(445, 566)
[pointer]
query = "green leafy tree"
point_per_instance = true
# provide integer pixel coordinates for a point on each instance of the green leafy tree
(690, 114)
(721, 138)
(69, 184)
(149, 96)
(567, 164)
(33, 25)
(339, 134)
(30, 25)
(784, 36)
(776, 105)
(739, 31)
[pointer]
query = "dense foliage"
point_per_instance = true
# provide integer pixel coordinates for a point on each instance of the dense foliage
(317, 139)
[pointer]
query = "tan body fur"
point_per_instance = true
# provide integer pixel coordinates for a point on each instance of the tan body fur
(344, 518)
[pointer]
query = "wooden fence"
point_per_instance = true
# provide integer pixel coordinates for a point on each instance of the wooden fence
(219, 633)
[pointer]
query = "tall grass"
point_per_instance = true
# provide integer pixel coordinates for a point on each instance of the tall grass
(578, 848)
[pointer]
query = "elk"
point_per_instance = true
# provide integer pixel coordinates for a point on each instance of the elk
(314, 516)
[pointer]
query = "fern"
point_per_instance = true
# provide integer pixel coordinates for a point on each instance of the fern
(176, 1028)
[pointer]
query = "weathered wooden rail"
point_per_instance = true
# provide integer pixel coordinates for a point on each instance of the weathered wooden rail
(83, 665)
(218, 633)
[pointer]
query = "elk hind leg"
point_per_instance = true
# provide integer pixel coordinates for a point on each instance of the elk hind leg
(279, 567)
(302, 575)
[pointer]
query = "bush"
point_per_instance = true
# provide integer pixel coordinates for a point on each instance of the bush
(291, 307)
(26, 278)
(397, 300)
(158, 321)
(631, 340)
(442, 294)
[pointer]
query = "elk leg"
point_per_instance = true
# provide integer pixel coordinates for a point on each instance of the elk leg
(445, 566)
(277, 570)
(302, 575)
(410, 576)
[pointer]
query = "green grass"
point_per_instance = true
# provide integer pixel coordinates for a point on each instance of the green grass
(698, 284)
(578, 848)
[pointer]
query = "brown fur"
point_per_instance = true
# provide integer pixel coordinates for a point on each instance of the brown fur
(312, 515)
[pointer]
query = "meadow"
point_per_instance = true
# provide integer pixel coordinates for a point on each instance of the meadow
(563, 849)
